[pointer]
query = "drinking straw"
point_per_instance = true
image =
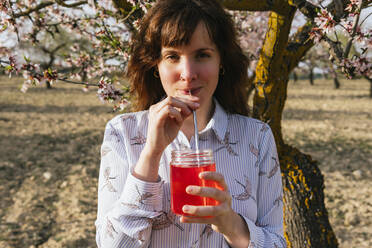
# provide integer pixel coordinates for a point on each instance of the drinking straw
(196, 131)
(196, 134)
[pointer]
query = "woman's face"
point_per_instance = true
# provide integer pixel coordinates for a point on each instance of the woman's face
(193, 67)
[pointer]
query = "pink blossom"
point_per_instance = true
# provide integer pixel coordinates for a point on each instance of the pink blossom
(141, 3)
(349, 7)
(107, 92)
(85, 88)
(316, 34)
(369, 40)
(359, 65)
(362, 66)
(14, 63)
(353, 4)
(26, 84)
(325, 21)
(347, 25)
(4, 6)
(123, 103)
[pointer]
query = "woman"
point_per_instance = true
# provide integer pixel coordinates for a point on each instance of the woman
(186, 58)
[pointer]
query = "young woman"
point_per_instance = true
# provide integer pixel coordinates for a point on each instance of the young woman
(186, 57)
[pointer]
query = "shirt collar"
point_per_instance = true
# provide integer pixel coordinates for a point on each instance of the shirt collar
(218, 122)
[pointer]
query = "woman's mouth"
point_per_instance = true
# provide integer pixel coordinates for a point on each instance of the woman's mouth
(193, 91)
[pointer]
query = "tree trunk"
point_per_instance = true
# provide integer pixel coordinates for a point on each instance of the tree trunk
(306, 221)
(295, 77)
(311, 75)
(370, 86)
(48, 85)
(334, 76)
(303, 186)
(336, 83)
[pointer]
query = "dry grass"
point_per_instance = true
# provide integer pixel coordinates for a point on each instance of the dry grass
(50, 142)
(335, 127)
(44, 133)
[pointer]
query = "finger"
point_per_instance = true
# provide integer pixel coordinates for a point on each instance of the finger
(214, 193)
(203, 211)
(169, 111)
(214, 176)
(193, 219)
(185, 105)
(188, 99)
(188, 95)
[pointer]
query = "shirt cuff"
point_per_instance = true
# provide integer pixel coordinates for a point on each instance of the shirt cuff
(256, 234)
(141, 194)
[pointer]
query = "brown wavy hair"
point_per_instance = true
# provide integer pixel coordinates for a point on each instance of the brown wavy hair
(171, 23)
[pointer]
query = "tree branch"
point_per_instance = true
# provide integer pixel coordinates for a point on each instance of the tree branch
(250, 5)
(365, 19)
(34, 73)
(72, 5)
(339, 8)
(299, 44)
(271, 71)
(306, 8)
(37, 8)
(46, 4)
(355, 26)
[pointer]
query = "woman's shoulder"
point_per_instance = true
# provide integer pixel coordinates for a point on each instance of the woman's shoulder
(129, 118)
(249, 122)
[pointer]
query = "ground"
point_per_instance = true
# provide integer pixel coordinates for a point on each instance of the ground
(50, 142)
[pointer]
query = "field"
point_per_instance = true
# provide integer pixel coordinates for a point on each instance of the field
(50, 142)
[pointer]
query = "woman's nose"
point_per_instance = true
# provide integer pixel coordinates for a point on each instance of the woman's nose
(188, 70)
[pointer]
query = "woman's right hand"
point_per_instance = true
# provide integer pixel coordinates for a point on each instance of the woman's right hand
(165, 120)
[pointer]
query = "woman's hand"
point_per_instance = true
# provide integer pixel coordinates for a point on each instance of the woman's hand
(222, 217)
(165, 120)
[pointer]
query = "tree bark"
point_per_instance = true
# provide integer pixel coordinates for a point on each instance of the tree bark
(306, 221)
(306, 218)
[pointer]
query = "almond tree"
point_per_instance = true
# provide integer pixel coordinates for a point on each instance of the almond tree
(109, 24)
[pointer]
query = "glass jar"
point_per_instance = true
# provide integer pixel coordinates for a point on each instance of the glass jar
(185, 167)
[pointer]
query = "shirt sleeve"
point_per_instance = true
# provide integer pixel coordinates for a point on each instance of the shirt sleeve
(126, 205)
(268, 229)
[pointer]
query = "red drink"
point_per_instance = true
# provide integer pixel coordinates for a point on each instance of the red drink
(185, 174)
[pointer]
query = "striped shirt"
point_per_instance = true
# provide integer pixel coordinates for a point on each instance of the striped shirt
(135, 213)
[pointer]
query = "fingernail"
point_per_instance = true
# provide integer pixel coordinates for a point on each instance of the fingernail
(196, 104)
(185, 208)
(190, 189)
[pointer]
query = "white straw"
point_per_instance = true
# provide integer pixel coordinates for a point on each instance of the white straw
(196, 134)
(196, 131)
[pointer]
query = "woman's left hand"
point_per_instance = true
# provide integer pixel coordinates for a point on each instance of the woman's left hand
(222, 217)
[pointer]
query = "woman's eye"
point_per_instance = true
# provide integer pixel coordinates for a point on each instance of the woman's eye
(171, 57)
(203, 55)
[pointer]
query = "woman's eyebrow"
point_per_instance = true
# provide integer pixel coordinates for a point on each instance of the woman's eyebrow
(174, 49)
(205, 49)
